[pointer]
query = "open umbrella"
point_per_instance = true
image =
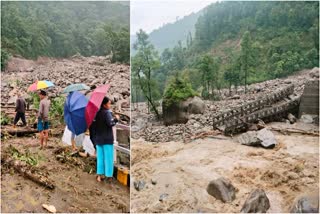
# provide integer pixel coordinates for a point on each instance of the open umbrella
(74, 112)
(40, 85)
(95, 102)
(75, 87)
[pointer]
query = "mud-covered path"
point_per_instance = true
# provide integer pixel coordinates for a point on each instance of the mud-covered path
(75, 190)
(183, 171)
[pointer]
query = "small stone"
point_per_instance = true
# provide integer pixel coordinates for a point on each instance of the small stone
(153, 181)
(292, 118)
(139, 185)
(50, 208)
(163, 196)
(235, 97)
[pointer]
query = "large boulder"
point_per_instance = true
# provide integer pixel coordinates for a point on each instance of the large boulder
(195, 105)
(267, 138)
(176, 113)
(257, 202)
(222, 189)
(175, 103)
(249, 138)
(306, 205)
(263, 137)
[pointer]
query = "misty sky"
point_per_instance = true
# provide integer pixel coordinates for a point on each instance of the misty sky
(152, 14)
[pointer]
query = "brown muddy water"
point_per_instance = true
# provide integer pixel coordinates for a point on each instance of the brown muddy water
(183, 171)
(75, 190)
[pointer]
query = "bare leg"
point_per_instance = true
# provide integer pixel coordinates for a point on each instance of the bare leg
(73, 142)
(41, 139)
(46, 136)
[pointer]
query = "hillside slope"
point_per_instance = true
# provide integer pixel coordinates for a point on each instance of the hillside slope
(62, 29)
(283, 39)
(168, 35)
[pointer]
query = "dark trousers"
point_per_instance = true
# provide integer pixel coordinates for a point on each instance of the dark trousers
(18, 116)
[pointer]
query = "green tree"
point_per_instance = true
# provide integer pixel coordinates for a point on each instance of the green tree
(143, 65)
(209, 68)
(246, 57)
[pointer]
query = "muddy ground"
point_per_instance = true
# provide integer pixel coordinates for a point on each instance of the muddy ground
(75, 190)
(183, 171)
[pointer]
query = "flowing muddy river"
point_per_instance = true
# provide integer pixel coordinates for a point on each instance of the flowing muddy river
(182, 172)
(75, 190)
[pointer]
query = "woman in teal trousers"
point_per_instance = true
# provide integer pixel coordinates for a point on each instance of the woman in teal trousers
(101, 135)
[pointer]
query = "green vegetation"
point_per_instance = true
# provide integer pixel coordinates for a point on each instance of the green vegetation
(4, 58)
(239, 43)
(57, 110)
(282, 36)
(143, 65)
(29, 158)
(35, 100)
(63, 29)
(170, 34)
(178, 89)
(5, 120)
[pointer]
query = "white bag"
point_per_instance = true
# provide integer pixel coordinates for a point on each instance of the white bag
(66, 138)
(88, 146)
(79, 139)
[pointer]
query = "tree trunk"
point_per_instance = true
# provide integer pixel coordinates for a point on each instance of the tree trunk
(25, 171)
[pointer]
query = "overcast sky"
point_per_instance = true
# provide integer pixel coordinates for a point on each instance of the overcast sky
(152, 14)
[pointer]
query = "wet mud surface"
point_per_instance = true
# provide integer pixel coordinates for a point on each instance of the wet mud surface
(75, 190)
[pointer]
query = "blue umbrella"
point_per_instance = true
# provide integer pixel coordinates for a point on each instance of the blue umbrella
(74, 112)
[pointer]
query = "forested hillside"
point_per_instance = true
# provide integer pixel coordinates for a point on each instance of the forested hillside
(239, 43)
(62, 29)
(170, 34)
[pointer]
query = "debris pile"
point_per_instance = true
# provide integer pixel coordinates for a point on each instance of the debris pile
(270, 100)
(93, 71)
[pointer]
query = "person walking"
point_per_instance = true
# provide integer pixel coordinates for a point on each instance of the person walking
(43, 118)
(101, 135)
(20, 111)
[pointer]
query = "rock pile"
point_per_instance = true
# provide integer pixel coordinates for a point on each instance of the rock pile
(155, 131)
(93, 71)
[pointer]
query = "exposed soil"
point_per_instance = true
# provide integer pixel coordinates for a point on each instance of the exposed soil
(76, 190)
(183, 171)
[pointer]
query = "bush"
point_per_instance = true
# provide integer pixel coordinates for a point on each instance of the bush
(177, 90)
(5, 120)
(57, 109)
